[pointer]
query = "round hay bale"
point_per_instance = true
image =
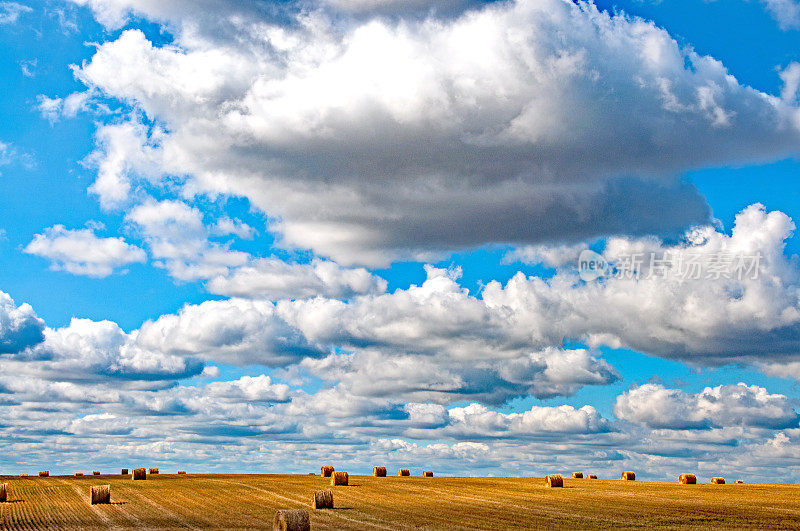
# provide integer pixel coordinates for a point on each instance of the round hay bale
(592, 476)
(379, 471)
(718, 481)
(339, 478)
(628, 476)
(139, 473)
(554, 480)
(96, 473)
(124, 472)
(152, 471)
(181, 472)
(427, 474)
(23, 475)
(323, 499)
(3, 492)
(78, 474)
(326, 471)
(101, 494)
(577, 475)
(292, 521)
(687, 479)
(404, 472)
(44, 474)
(738, 481)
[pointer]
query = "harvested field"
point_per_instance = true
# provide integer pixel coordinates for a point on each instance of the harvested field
(170, 501)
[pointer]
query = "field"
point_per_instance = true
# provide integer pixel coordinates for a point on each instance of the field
(250, 501)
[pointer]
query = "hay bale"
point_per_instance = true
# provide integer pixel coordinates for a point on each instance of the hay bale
(23, 475)
(44, 474)
(78, 474)
(339, 478)
(326, 471)
(718, 481)
(124, 472)
(379, 471)
(292, 521)
(139, 473)
(101, 494)
(181, 472)
(738, 481)
(592, 476)
(554, 480)
(311, 474)
(96, 473)
(404, 472)
(577, 475)
(687, 479)
(427, 474)
(3, 492)
(152, 471)
(628, 476)
(323, 499)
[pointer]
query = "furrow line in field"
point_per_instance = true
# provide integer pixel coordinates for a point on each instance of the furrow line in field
(84, 497)
(390, 496)
(181, 520)
(200, 505)
(305, 503)
(538, 510)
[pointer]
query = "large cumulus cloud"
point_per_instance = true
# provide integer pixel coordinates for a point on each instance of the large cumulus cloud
(375, 138)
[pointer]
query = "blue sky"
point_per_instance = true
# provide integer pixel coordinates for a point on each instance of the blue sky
(383, 204)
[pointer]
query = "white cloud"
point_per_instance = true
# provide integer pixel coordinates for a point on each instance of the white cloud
(11, 11)
(705, 320)
(274, 279)
(82, 252)
(236, 331)
(178, 238)
(723, 406)
(126, 149)
(786, 12)
(447, 377)
(96, 350)
(7, 154)
(28, 67)
(479, 421)
(371, 139)
(790, 76)
(56, 108)
(249, 389)
(99, 424)
(20, 328)
(226, 226)
(399, 7)
(549, 255)
(210, 371)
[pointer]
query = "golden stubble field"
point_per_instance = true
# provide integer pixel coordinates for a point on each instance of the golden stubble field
(250, 501)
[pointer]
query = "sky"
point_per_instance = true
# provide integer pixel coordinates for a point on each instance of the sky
(484, 238)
